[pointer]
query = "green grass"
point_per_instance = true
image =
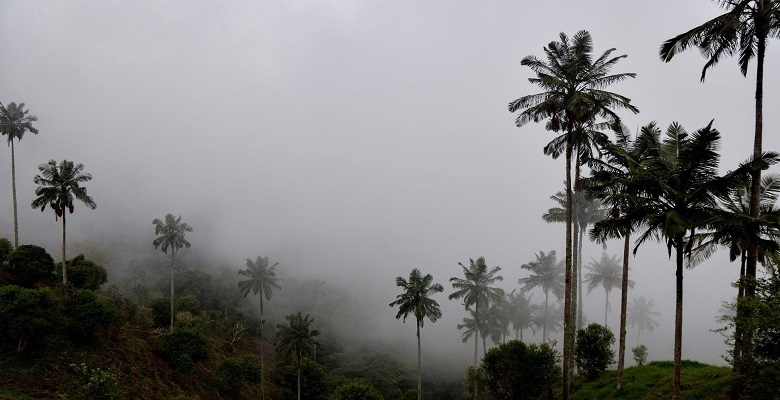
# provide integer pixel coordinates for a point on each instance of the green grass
(654, 381)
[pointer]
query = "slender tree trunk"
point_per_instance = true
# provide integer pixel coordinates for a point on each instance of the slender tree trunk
(623, 309)
(678, 319)
(173, 267)
(299, 376)
(419, 364)
(579, 278)
(743, 338)
(606, 308)
(576, 250)
(568, 331)
(262, 324)
(544, 327)
(476, 331)
(13, 189)
(64, 266)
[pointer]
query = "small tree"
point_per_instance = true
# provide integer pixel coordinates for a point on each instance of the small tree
(84, 274)
(85, 314)
(234, 374)
(640, 354)
(516, 371)
(184, 346)
(29, 265)
(27, 314)
(594, 350)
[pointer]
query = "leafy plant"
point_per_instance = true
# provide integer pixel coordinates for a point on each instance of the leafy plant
(518, 371)
(594, 350)
(27, 313)
(184, 346)
(640, 354)
(98, 384)
(29, 265)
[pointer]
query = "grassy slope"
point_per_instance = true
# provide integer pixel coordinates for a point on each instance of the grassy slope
(654, 381)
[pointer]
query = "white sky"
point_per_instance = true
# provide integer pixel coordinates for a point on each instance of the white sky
(350, 137)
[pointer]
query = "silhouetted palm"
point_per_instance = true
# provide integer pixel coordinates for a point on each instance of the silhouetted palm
(262, 280)
(641, 313)
(296, 339)
(475, 290)
(172, 232)
(14, 122)
(547, 274)
(605, 273)
(416, 300)
(59, 186)
(521, 313)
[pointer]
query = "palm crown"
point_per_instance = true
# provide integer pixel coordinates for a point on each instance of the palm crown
(172, 232)
(416, 297)
(15, 121)
(262, 278)
(60, 185)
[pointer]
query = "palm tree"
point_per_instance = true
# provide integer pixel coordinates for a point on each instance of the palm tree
(521, 313)
(610, 175)
(640, 313)
(546, 273)
(743, 31)
(606, 273)
(475, 290)
(14, 122)
(172, 233)
(59, 186)
(416, 300)
(262, 279)
(573, 97)
(296, 339)
(675, 193)
(588, 211)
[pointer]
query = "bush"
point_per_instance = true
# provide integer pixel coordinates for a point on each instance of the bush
(593, 351)
(97, 383)
(83, 273)
(234, 373)
(518, 371)
(188, 304)
(85, 314)
(5, 249)
(640, 354)
(315, 381)
(27, 313)
(30, 265)
(184, 346)
(356, 390)
(161, 311)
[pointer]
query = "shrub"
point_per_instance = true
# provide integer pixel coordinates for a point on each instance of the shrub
(161, 311)
(97, 384)
(593, 351)
(5, 249)
(315, 381)
(640, 354)
(356, 390)
(234, 373)
(518, 371)
(29, 265)
(83, 273)
(184, 346)
(188, 304)
(85, 314)
(27, 313)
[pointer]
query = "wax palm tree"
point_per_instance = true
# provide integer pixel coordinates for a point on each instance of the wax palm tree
(416, 300)
(675, 193)
(572, 98)
(296, 339)
(14, 122)
(641, 313)
(172, 232)
(262, 280)
(611, 180)
(588, 211)
(475, 290)
(59, 186)
(497, 321)
(605, 273)
(521, 312)
(546, 273)
(742, 31)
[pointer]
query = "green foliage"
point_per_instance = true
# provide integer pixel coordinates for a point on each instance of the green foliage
(593, 351)
(85, 314)
(5, 249)
(97, 384)
(316, 384)
(640, 354)
(356, 390)
(515, 370)
(184, 346)
(83, 273)
(27, 313)
(385, 372)
(188, 304)
(234, 373)
(30, 264)
(161, 311)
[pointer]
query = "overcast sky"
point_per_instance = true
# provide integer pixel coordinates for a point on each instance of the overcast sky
(350, 138)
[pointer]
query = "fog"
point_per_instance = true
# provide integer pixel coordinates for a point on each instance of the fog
(350, 141)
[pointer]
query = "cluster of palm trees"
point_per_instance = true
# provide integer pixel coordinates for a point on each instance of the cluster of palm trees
(662, 189)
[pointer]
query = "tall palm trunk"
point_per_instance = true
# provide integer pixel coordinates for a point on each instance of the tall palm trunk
(299, 375)
(606, 307)
(173, 267)
(476, 331)
(576, 249)
(678, 319)
(568, 331)
(544, 327)
(419, 364)
(13, 189)
(262, 324)
(579, 278)
(64, 267)
(623, 307)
